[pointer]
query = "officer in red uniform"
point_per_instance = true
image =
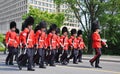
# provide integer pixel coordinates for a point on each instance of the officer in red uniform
(40, 39)
(29, 41)
(10, 39)
(52, 44)
(81, 45)
(65, 42)
(74, 45)
(21, 38)
(58, 46)
(17, 45)
(96, 44)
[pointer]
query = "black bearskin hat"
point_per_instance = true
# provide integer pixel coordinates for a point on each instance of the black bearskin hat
(95, 25)
(43, 24)
(17, 30)
(23, 26)
(12, 24)
(79, 32)
(29, 21)
(57, 30)
(37, 28)
(64, 29)
(73, 31)
(53, 27)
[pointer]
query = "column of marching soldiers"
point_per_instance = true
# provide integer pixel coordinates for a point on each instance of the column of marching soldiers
(43, 47)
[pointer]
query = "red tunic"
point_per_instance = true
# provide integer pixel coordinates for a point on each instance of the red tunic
(58, 38)
(96, 40)
(40, 39)
(81, 44)
(65, 42)
(28, 38)
(17, 43)
(73, 42)
(52, 41)
(11, 38)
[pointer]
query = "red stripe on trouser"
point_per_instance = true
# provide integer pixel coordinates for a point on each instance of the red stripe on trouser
(96, 56)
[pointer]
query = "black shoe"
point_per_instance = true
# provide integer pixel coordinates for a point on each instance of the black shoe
(6, 63)
(42, 67)
(46, 64)
(91, 63)
(75, 63)
(57, 61)
(80, 61)
(68, 60)
(52, 65)
(20, 68)
(11, 64)
(98, 67)
(64, 63)
(31, 69)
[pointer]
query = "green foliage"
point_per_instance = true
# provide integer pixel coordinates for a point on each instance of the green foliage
(1, 37)
(2, 47)
(38, 15)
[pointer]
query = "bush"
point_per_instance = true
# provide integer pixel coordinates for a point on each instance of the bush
(2, 47)
(2, 37)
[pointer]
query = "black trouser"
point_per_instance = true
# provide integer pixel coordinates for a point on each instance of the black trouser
(96, 58)
(52, 56)
(58, 52)
(17, 53)
(79, 55)
(41, 53)
(74, 55)
(12, 51)
(64, 57)
(30, 53)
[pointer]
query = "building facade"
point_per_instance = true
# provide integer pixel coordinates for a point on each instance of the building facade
(12, 10)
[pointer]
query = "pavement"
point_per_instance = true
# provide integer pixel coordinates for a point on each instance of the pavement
(110, 64)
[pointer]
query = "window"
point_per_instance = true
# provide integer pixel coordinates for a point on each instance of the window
(47, 4)
(35, 2)
(43, 4)
(39, 3)
(31, 1)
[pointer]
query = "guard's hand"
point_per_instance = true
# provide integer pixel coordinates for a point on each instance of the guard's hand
(106, 46)
(72, 47)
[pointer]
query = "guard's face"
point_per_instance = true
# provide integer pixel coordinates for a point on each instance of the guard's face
(98, 30)
(65, 34)
(53, 32)
(30, 27)
(13, 29)
(43, 29)
(80, 35)
(75, 35)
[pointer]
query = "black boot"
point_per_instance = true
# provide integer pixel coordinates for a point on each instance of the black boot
(11, 63)
(31, 69)
(91, 63)
(19, 66)
(6, 62)
(98, 67)
(42, 66)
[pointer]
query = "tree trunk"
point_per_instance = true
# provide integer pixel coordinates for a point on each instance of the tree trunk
(90, 43)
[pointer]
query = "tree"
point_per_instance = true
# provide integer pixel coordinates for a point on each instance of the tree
(50, 18)
(110, 21)
(91, 10)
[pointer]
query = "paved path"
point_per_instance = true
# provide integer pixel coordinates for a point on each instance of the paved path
(81, 68)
